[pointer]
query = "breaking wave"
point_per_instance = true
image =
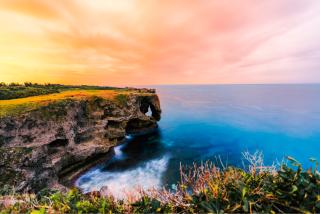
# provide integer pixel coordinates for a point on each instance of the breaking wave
(120, 183)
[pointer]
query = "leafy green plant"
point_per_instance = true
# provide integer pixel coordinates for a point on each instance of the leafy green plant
(203, 189)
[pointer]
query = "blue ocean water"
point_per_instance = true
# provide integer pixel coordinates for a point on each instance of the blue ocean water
(203, 122)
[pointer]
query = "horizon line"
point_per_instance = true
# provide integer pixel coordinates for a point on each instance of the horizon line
(169, 84)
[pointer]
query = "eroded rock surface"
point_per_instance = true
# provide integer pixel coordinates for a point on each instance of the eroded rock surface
(38, 148)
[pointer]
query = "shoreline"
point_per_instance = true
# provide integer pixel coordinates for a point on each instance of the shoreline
(70, 180)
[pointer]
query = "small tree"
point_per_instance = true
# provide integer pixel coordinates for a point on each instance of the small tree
(14, 84)
(28, 84)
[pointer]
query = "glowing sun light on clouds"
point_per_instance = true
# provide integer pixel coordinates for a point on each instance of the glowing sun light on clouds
(132, 42)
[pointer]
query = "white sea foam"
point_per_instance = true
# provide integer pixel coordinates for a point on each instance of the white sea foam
(119, 184)
(118, 152)
(128, 137)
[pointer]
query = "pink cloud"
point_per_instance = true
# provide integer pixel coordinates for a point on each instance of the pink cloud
(169, 41)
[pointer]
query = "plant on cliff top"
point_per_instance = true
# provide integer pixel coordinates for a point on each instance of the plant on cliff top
(28, 89)
(121, 99)
(18, 106)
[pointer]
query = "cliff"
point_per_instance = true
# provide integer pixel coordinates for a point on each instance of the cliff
(42, 146)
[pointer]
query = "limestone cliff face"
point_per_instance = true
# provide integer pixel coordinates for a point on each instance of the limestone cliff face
(39, 148)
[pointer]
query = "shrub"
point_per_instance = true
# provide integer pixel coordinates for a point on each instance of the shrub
(121, 99)
(202, 189)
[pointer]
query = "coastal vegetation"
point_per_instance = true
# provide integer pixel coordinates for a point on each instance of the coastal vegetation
(203, 189)
(22, 105)
(28, 89)
(16, 99)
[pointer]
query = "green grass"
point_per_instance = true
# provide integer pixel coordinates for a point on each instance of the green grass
(19, 106)
(14, 90)
(121, 99)
(14, 107)
(203, 189)
(16, 99)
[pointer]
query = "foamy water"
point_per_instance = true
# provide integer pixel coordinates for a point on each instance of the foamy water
(118, 152)
(146, 176)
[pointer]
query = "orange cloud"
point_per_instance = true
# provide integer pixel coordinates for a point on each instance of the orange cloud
(133, 42)
(36, 8)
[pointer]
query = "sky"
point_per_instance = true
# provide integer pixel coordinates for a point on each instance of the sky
(145, 42)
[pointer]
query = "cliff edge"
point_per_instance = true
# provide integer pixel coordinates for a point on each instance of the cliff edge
(40, 147)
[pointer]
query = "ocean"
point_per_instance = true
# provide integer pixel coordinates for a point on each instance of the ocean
(216, 123)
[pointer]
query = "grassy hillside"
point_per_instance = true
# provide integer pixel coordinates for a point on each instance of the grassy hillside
(14, 90)
(203, 189)
(16, 99)
(22, 105)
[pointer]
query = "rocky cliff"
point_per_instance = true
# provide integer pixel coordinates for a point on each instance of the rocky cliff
(41, 148)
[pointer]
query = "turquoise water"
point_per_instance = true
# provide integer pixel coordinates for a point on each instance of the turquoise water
(205, 122)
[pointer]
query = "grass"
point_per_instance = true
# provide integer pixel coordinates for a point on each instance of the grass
(203, 189)
(17, 106)
(121, 99)
(22, 105)
(17, 98)
(14, 90)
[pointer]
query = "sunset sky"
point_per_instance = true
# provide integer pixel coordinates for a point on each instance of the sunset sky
(135, 42)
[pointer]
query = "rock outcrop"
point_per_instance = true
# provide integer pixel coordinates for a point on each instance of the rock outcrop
(40, 148)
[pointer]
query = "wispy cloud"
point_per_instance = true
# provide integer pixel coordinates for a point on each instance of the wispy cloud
(154, 42)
